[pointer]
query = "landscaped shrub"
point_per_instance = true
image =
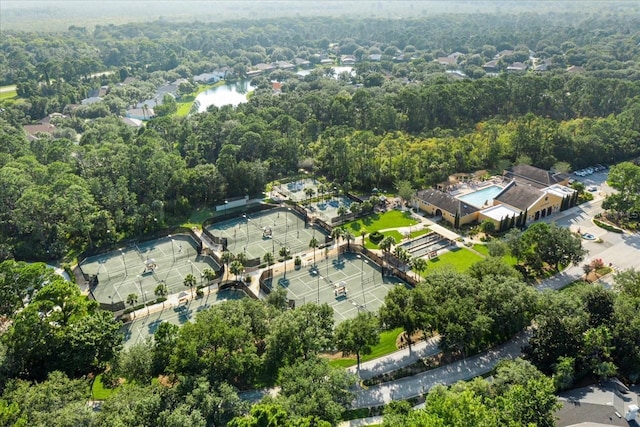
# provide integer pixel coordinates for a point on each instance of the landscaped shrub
(376, 237)
(607, 226)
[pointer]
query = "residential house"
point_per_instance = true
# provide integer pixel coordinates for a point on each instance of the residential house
(376, 57)
(491, 66)
(517, 67)
(136, 123)
(575, 69)
(302, 62)
(602, 405)
(326, 61)
(212, 77)
(284, 65)
(91, 100)
(452, 210)
(447, 61)
(140, 113)
(347, 59)
(276, 87)
(32, 131)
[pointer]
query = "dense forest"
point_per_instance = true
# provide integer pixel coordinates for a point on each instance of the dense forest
(403, 117)
(393, 121)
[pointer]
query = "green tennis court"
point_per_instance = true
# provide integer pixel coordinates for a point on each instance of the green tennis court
(365, 286)
(139, 269)
(267, 231)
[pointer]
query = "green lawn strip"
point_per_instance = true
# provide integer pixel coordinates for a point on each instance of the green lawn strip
(99, 391)
(386, 346)
(375, 222)
(460, 259)
(198, 216)
(478, 247)
(417, 233)
(8, 94)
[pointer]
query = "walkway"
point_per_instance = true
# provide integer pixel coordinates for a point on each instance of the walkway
(398, 359)
(419, 384)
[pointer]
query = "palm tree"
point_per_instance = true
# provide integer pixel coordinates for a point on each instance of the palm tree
(336, 233)
(190, 282)
(241, 257)
(342, 210)
(418, 264)
(132, 299)
(321, 190)
(161, 291)
(309, 192)
(363, 234)
(313, 243)
(349, 237)
(208, 274)
(284, 253)
(268, 258)
(386, 244)
(226, 258)
(236, 268)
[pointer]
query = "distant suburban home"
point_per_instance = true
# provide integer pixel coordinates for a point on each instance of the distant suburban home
(375, 57)
(140, 113)
(575, 69)
(347, 59)
(212, 77)
(447, 61)
(491, 66)
(91, 100)
(452, 210)
(265, 67)
(541, 67)
(276, 87)
(170, 88)
(517, 67)
(503, 53)
(131, 122)
(326, 61)
(399, 58)
(302, 62)
(284, 65)
(32, 131)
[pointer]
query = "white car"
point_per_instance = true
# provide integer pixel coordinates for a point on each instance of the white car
(593, 188)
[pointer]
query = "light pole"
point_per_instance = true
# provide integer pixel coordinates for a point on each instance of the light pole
(144, 298)
(319, 277)
(124, 262)
(364, 299)
(226, 202)
(191, 264)
(173, 251)
(286, 222)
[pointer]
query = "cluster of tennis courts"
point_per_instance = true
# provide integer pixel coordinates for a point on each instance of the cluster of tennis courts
(267, 231)
(145, 326)
(360, 277)
(139, 269)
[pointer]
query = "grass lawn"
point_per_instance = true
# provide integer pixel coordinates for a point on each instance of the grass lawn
(9, 94)
(386, 345)
(198, 216)
(460, 259)
(98, 391)
(375, 222)
(481, 248)
(417, 233)
(508, 259)
(396, 235)
(185, 103)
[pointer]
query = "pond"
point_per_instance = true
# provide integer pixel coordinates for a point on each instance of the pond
(229, 94)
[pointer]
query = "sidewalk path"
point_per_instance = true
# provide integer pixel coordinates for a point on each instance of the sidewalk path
(416, 385)
(398, 359)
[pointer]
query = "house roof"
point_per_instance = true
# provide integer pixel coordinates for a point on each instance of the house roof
(536, 177)
(596, 406)
(519, 196)
(446, 202)
(447, 60)
(39, 128)
(517, 66)
(575, 69)
(499, 212)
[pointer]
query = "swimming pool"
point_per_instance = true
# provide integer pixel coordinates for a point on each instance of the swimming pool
(478, 198)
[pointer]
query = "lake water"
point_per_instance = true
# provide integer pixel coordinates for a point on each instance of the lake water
(230, 94)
